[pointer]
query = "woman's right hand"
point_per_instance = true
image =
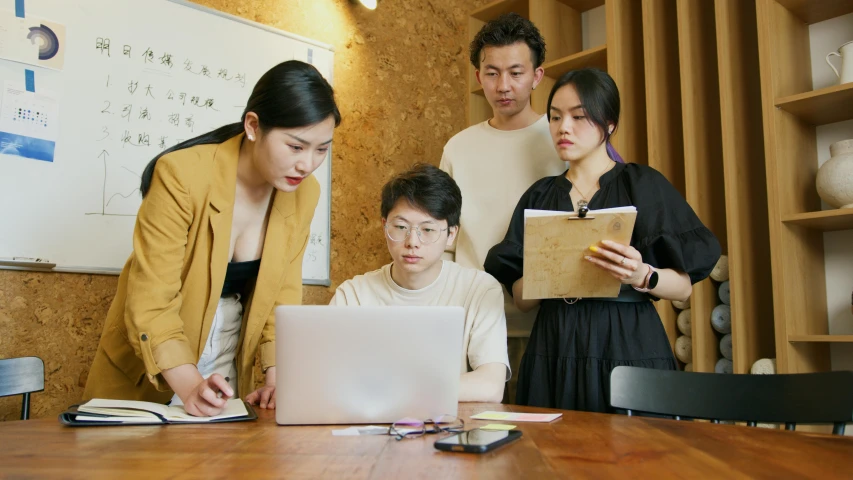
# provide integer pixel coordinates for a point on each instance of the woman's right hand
(204, 399)
(200, 395)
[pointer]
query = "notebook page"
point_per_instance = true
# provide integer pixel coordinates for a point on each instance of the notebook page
(233, 408)
(123, 408)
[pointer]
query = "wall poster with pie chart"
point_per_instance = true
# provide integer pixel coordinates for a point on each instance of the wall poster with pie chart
(32, 40)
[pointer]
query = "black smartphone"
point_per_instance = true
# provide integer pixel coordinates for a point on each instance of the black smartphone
(477, 440)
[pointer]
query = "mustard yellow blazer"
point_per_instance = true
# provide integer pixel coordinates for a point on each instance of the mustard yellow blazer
(169, 288)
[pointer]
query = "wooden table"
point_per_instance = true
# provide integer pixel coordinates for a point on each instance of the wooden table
(579, 445)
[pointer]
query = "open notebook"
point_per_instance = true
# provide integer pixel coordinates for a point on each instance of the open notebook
(99, 411)
(555, 244)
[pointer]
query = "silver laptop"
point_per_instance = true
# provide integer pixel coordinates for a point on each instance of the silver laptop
(354, 365)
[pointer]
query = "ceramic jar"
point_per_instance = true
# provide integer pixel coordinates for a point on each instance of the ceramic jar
(835, 177)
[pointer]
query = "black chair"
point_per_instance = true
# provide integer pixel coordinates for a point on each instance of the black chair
(788, 398)
(23, 375)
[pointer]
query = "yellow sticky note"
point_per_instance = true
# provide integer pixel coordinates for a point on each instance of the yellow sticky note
(491, 416)
(497, 426)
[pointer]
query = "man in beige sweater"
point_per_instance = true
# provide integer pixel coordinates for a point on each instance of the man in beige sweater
(496, 161)
(420, 217)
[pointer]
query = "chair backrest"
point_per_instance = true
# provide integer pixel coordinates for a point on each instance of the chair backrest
(784, 398)
(21, 375)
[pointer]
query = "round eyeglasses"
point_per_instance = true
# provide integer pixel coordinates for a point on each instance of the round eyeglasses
(412, 428)
(426, 234)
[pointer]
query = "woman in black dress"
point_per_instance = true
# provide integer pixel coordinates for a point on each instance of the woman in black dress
(575, 345)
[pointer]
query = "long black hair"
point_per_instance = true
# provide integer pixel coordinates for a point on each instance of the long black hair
(291, 94)
(600, 99)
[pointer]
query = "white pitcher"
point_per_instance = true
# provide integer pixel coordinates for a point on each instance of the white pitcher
(845, 53)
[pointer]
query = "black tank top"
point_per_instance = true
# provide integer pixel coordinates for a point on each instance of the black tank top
(240, 277)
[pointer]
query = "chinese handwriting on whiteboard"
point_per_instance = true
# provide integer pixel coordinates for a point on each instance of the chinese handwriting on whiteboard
(150, 100)
(315, 243)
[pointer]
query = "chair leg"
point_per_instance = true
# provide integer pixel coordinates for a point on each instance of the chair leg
(791, 426)
(715, 421)
(630, 414)
(751, 424)
(25, 407)
(838, 428)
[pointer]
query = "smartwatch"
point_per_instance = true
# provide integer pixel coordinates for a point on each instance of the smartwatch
(651, 280)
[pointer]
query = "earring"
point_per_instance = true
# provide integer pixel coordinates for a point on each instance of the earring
(252, 138)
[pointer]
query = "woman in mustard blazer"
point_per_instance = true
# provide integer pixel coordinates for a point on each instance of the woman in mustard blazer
(223, 225)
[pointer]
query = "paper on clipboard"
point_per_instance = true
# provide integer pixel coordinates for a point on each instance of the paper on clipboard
(555, 244)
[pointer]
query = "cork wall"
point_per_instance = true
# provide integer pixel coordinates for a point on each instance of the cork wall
(401, 87)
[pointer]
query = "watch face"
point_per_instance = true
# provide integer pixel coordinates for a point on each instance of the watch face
(653, 280)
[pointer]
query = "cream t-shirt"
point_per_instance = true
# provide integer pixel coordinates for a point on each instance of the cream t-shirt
(493, 168)
(484, 335)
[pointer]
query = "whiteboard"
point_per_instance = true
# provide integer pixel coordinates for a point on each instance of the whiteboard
(138, 77)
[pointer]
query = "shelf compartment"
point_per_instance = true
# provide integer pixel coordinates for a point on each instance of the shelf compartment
(823, 221)
(582, 5)
(496, 9)
(593, 57)
(820, 338)
(814, 11)
(821, 107)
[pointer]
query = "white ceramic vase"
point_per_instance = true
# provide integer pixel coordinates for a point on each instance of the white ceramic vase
(835, 177)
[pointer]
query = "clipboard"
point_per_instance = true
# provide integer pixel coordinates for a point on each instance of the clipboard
(555, 244)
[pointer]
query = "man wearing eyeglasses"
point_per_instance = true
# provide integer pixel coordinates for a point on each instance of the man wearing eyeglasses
(420, 216)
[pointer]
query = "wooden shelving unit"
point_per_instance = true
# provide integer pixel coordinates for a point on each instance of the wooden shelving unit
(790, 111)
(745, 183)
(663, 111)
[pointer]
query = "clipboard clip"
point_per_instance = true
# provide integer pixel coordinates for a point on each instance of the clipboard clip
(582, 214)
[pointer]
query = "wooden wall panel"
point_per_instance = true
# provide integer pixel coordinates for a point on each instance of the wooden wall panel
(625, 65)
(703, 168)
(663, 110)
(745, 183)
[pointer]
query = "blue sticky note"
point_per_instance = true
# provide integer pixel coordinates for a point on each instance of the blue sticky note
(310, 56)
(30, 81)
(19, 8)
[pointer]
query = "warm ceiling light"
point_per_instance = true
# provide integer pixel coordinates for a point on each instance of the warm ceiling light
(371, 4)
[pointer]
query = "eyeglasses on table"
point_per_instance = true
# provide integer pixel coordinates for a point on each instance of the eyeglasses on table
(413, 428)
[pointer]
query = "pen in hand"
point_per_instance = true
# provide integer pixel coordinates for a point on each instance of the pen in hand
(219, 393)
